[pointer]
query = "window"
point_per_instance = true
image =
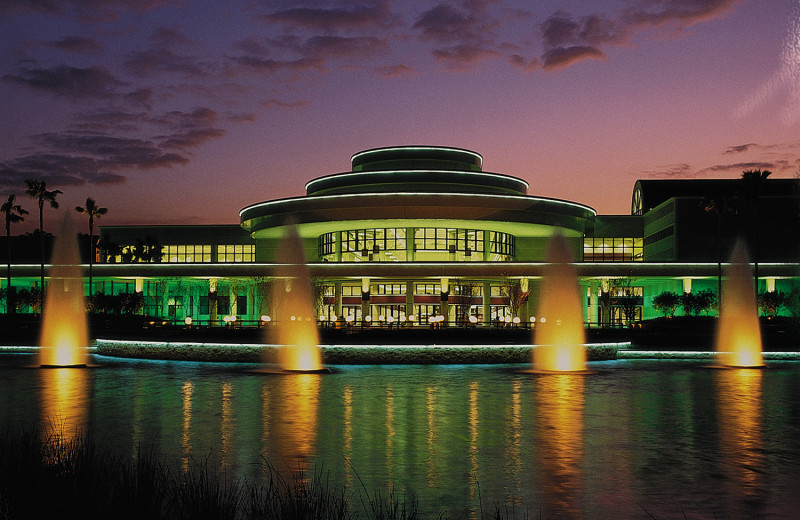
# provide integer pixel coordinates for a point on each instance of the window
(188, 253)
(501, 243)
(428, 289)
(388, 289)
(617, 249)
(326, 244)
(235, 253)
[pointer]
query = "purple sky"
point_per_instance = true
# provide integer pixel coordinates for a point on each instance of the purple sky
(184, 112)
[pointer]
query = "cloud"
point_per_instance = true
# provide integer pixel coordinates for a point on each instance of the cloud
(518, 60)
(165, 37)
(164, 60)
(684, 13)
(77, 44)
(463, 32)
(329, 47)
(443, 23)
(263, 65)
(69, 82)
(740, 148)
(567, 40)
(354, 17)
(561, 57)
(83, 10)
(463, 55)
(738, 168)
(395, 71)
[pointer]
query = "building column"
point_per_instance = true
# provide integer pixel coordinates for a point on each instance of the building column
(770, 284)
(592, 310)
(687, 285)
(410, 252)
(444, 303)
(337, 299)
(487, 302)
(409, 299)
(524, 285)
(212, 300)
(365, 306)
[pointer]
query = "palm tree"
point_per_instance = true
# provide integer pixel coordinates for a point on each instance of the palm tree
(14, 214)
(754, 181)
(94, 211)
(38, 190)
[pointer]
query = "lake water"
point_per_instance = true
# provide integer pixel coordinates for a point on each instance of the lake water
(635, 439)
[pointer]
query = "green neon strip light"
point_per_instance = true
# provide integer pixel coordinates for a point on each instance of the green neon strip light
(454, 172)
(419, 148)
(414, 193)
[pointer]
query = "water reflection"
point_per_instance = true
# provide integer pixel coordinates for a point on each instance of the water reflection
(671, 440)
(186, 424)
(513, 459)
(740, 426)
(64, 402)
(559, 439)
(347, 434)
(226, 424)
(294, 430)
(430, 407)
(474, 422)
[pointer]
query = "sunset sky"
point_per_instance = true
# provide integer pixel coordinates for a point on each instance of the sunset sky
(183, 112)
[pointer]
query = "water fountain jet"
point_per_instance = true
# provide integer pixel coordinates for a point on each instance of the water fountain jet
(559, 334)
(738, 337)
(64, 337)
(292, 303)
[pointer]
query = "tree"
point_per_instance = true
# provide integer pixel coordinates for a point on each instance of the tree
(464, 297)
(770, 303)
(38, 190)
(666, 303)
(753, 181)
(627, 296)
(517, 296)
(14, 214)
(93, 211)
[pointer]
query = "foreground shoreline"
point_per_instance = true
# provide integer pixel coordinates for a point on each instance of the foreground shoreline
(379, 354)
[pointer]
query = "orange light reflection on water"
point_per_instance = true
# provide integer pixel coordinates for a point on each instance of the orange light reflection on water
(64, 402)
(559, 434)
(739, 396)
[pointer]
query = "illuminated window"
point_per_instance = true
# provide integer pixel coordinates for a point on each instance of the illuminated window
(502, 243)
(428, 289)
(385, 288)
(186, 253)
(326, 244)
(236, 253)
(617, 249)
(351, 290)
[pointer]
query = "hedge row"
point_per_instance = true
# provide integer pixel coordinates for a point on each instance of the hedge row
(339, 355)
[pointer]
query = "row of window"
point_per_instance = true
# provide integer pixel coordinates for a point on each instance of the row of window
(366, 242)
(421, 289)
(194, 253)
(599, 249)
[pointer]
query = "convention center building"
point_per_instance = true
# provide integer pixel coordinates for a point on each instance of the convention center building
(414, 235)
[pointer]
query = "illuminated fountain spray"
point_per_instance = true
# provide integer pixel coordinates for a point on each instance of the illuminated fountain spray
(64, 336)
(559, 335)
(293, 305)
(738, 342)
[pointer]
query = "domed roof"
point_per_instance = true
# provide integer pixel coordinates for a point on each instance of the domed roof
(417, 168)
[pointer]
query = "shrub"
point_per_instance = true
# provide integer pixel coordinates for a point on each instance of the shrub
(666, 303)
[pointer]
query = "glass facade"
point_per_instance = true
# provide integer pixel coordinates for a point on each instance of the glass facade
(616, 249)
(428, 244)
(236, 253)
